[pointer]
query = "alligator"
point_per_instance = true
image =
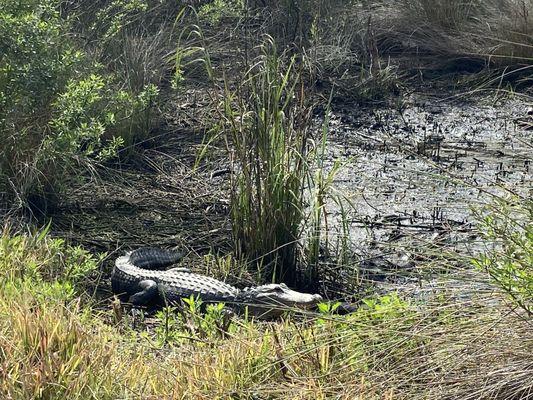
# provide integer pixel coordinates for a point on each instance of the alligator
(139, 278)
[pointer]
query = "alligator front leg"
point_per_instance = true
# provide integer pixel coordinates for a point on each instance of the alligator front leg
(147, 294)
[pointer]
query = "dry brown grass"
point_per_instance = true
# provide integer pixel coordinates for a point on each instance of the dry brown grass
(499, 32)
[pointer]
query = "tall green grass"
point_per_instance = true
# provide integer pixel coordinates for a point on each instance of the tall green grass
(279, 184)
(266, 118)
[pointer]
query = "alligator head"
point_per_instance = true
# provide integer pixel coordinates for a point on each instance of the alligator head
(269, 301)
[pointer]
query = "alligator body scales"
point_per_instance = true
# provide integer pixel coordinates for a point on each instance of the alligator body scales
(138, 277)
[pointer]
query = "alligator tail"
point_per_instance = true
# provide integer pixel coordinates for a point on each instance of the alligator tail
(154, 258)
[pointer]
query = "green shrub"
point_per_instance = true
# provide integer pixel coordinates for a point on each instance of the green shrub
(213, 12)
(507, 225)
(195, 321)
(58, 113)
(44, 265)
(114, 16)
(35, 64)
(296, 21)
(91, 109)
(36, 61)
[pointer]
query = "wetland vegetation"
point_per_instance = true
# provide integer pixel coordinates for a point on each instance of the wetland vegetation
(375, 152)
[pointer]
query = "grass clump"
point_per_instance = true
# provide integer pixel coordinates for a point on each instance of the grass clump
(270, 152)
(495, 32)
(357, 46)
(46, 351)
(279, 186)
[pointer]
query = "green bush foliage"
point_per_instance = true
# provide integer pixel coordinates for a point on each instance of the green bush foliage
(507, 225)
(36, 60)
(58, 112)
(213, 12)
(48, 268)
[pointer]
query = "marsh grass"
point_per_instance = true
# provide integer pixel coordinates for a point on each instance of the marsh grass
(507, 227)
(356, 46)
(54, 346)
(279, 183)
(268, 141)
(498, 32)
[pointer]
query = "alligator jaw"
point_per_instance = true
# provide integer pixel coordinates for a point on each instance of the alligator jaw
(269, 301)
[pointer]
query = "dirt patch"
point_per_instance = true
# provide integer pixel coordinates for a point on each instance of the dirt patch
(157, 200)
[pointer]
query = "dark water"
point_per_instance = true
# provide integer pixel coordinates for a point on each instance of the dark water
(414, 178)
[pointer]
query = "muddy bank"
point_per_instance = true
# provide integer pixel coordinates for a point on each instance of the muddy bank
(157, 199)
(412, 178)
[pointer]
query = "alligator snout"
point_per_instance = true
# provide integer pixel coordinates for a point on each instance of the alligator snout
(281, 295)
(308, 301)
